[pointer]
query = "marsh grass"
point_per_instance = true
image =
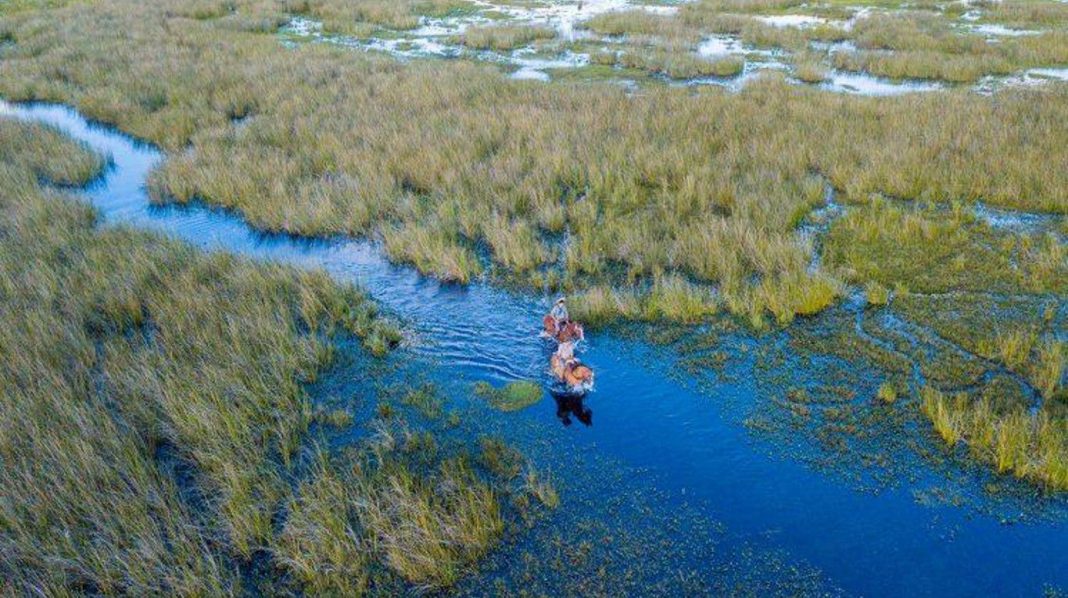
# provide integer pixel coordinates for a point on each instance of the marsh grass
(810, 71)
(47, 154)
(887, 392)
(681, 65)
(931, 249)
(504, 37)
(1025, 13)
(341, 16)
(152, 409)
(1029, 446)
(513, 396)
(922, 46)
(129, 359)
(443, 160)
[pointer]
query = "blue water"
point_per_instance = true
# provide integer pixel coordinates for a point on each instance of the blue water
(688, 438)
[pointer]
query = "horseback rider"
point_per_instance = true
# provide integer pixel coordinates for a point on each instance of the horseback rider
(559, 314)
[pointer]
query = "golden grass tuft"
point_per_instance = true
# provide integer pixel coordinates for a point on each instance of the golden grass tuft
(1030, 446)
(504, 37)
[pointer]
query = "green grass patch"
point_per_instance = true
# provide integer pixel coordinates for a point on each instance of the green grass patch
(513, 396)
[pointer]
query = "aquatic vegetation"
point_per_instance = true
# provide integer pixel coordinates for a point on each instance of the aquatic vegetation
(1030, 446)
(513, 396)
(132, 359)
(894, 243)
(541, 489)
(643, 23)
(646, 202)
(176, 381)
(504, 37)
(322, 543)
(674, 298)
(353, 17)
(1025, 13)
(430, 529)
(887, 392)
(876, 294)
(1050, 366)
(425, 399)
(499, 458)
(433, 251)
(810, 72)
(681, 65)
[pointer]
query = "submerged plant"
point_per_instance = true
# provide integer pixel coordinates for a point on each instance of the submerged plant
(512, 396)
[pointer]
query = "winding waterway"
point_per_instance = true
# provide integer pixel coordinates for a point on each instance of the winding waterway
(687, 438)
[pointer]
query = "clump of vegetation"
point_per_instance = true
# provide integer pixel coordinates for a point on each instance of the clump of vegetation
(670, 30)
(504, 37)
(876, 294)
(887, 392)
(810, 71)
(513, 396)
(425, 398)
(1030, 446)
(499, 458)
(681, 65)
(541, 489)
(340, 16)
(431, 529)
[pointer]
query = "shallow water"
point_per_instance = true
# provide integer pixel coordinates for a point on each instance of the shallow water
(687, 437)
(864, 84)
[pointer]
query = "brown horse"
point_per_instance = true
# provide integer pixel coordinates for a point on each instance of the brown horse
(569, 331)
(571, 372)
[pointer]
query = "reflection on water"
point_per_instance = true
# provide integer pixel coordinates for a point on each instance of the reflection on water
(568, 406)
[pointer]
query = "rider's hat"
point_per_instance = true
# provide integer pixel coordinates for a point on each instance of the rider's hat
(560, 300)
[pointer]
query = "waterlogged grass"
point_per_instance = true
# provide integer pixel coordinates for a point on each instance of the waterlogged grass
(152, 410)
(446, 160)
(340, 16)
(928, 248)
(1033, 446)
(915, 45)
(513, 396)
(504, 37)
(1025, 13)
(657, 204)
(677, 65)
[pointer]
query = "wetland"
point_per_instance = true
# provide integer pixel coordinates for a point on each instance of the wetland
(273, 273)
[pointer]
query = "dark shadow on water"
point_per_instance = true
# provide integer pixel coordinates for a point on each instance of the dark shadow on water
(570, 405)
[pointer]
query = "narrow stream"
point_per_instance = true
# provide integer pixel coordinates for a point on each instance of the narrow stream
(690, 438)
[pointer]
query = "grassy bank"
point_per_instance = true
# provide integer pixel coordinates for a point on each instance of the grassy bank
(152, 407)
